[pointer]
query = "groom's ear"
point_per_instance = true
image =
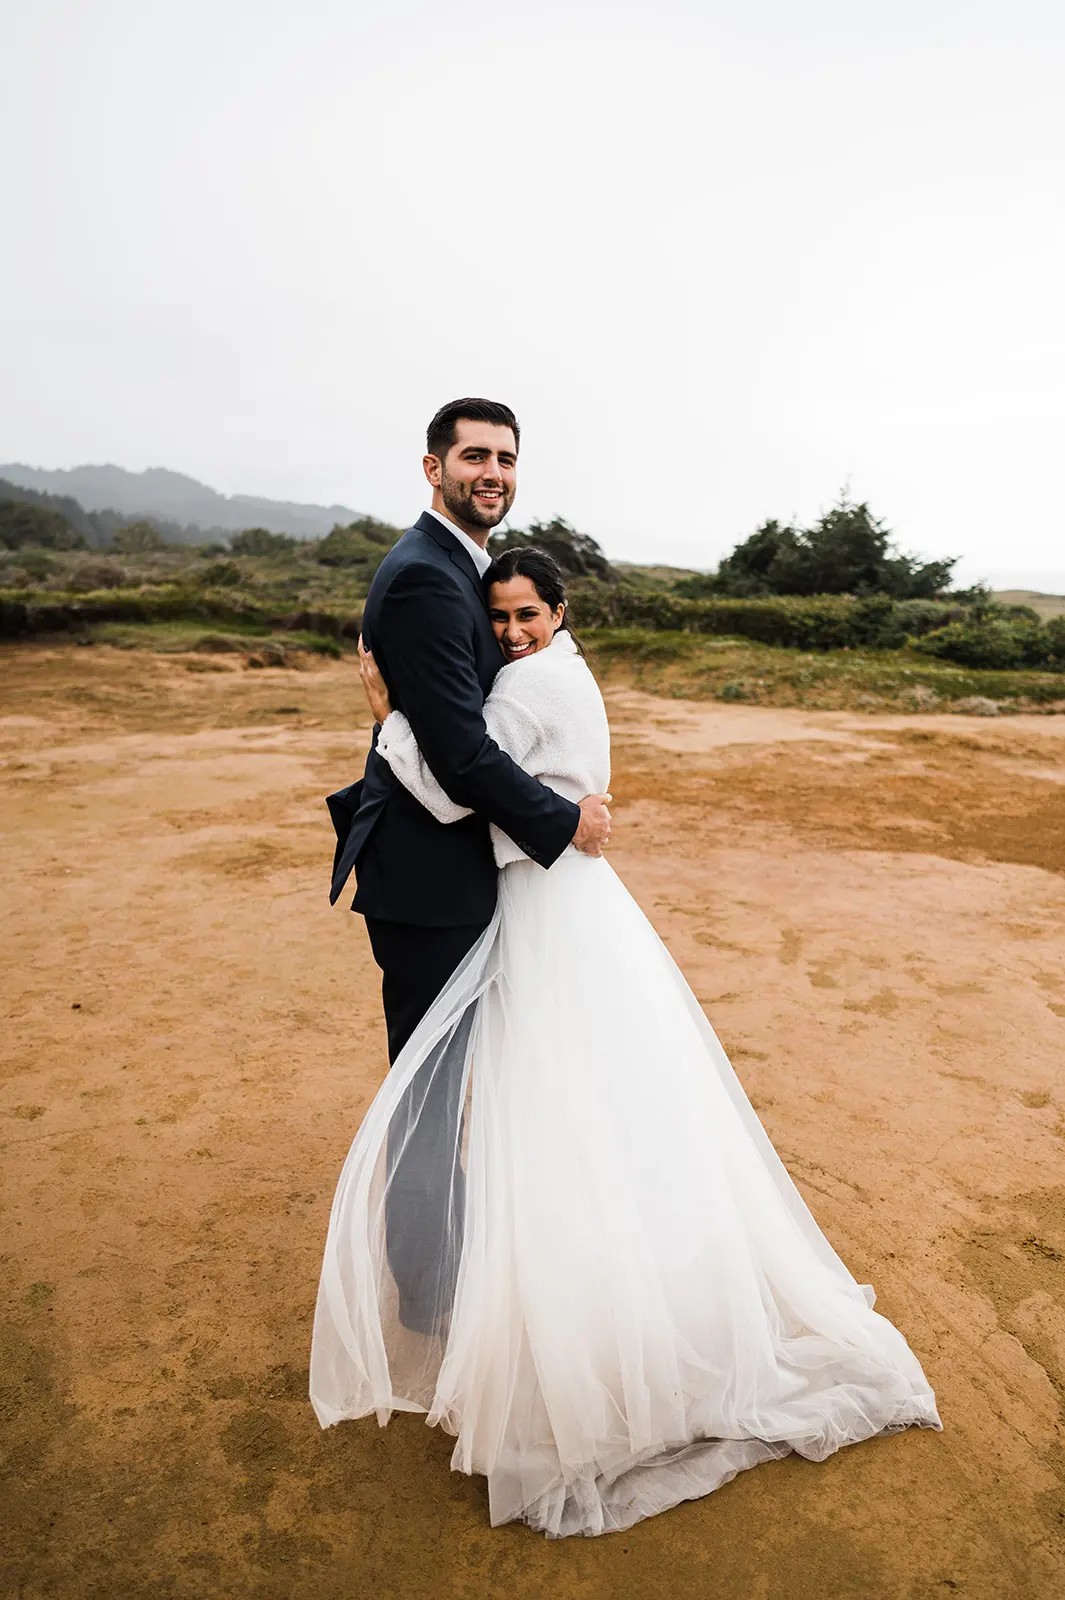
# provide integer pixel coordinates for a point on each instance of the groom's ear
(433, 468)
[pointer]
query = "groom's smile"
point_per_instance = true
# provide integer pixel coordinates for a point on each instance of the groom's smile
(476, 481)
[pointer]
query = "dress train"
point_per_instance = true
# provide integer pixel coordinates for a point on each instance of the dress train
(562, 1233)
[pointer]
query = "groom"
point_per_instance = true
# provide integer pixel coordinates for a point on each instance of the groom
(426, 890)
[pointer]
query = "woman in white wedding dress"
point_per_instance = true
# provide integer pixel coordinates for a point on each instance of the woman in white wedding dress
(628, 1300)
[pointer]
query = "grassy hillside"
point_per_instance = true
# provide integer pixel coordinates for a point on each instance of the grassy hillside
(268, 608)
(1047, 605)
(652, 576)
(691, 666)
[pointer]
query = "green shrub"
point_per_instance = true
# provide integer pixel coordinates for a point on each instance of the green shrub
(918, 617)
(261, 542)
(577, 554)
(847, 551)
(821, 622)
(362, 544)
(32, 564)
(137, 537)
(321, 644)
(1054, 629)
(996, 639)
(220, 574)
(22, 524)
(90, 575)
(329, 624)
(32, 611)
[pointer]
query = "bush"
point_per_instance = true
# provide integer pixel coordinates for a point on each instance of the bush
(89, 575)
(847, 551)
(136, 538)
(261, 542)
(31, 565)
(22, 524)
(220, 574)
(918, 617)
(996, 639)
(32, 611)
(821, 622)
(362, 544)
(576, 553)
(325, 623)
(1055, 632)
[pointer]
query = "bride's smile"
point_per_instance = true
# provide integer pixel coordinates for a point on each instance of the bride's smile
(522, 621)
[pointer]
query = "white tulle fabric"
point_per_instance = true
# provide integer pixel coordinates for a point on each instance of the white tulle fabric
(616, 1298)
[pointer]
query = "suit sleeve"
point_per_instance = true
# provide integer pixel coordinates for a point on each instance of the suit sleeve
(513, 727)
(430, 670)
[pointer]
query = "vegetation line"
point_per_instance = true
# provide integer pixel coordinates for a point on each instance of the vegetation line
(829, 615)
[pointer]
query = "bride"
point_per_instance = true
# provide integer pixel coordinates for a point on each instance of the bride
(623, 1299)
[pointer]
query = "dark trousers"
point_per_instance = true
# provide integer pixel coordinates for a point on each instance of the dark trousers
(426, 1195)
(415, 965)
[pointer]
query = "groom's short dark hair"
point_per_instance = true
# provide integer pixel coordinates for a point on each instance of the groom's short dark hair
(440, 434)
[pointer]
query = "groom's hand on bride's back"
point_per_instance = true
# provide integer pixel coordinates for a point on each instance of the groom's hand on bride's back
(593, 830)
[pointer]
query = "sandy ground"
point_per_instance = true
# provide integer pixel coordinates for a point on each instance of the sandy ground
(871, 910)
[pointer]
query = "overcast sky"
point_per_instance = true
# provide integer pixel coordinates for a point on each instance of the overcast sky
(720, 258)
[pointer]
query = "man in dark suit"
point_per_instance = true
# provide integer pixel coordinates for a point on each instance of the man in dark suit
(428, 891)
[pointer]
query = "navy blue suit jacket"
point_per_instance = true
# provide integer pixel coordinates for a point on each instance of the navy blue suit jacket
(426, 622)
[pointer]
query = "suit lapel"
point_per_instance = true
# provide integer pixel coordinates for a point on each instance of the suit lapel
(427, 523)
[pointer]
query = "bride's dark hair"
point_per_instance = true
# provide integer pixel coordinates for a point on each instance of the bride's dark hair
(542, 571)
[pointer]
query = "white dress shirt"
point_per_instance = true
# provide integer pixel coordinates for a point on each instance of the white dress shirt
(481, 559)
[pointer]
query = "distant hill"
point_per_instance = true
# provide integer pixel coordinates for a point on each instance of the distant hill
(81, 522)
(172, 498)
(656, 575)
(1047, 605)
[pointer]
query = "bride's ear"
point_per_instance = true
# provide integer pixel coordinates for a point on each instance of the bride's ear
(560, 616)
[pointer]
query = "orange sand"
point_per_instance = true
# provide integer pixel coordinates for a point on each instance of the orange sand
(871, 909)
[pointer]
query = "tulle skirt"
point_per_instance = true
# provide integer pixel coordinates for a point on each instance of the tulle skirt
(562, 1233)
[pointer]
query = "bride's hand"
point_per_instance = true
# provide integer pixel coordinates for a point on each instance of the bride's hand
(373, 684)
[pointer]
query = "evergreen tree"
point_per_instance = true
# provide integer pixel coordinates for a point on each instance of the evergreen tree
(846, 551)
(577, 554)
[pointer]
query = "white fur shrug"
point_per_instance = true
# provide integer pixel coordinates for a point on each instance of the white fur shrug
(546, 712)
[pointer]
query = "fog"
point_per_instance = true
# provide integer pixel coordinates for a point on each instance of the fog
(721, 260)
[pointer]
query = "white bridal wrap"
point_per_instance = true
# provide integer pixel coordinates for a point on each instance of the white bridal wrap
(622, 1299)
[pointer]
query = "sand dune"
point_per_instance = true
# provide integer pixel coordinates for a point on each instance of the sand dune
(871, 910)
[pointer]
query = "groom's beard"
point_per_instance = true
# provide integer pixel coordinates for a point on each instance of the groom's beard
(458, 498)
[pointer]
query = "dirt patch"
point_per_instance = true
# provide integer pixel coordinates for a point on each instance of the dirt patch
(870, 909)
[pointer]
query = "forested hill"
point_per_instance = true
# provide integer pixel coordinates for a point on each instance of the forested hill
(171, 497)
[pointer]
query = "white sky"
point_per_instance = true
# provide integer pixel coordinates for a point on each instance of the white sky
(719, 257)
